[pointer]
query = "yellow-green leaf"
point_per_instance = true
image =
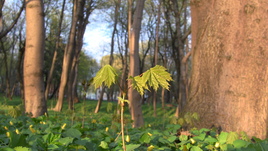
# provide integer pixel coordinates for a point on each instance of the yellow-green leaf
(106, 75)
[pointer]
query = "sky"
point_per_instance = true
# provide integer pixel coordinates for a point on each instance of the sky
(97, 38)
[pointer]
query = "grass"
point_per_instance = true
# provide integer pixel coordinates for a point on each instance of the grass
(105, 114)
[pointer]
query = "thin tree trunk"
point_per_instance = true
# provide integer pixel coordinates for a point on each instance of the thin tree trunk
(7, 91)
(20, 64)
(156, 54)
(134, 63)
(81, 27)
(68, 55)
(1, 14)
(116, 14)
(50, 75)
(97, 109)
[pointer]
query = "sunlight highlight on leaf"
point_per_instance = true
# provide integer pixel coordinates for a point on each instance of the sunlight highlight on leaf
(106, 75)
(154, 77)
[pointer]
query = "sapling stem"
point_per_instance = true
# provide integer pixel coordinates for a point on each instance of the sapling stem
(122, 122)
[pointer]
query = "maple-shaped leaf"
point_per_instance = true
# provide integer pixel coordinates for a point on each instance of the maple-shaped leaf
(138, 84)
(106, 75)
(157, 76)
(154, 77)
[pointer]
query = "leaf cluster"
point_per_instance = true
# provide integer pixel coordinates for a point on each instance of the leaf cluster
(152, 78)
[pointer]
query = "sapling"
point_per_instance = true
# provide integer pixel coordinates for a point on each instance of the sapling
(152, 78)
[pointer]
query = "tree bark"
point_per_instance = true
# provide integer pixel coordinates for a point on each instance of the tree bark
(229, 72)
(116, 15)
(156, 54)
(98, 106)
(35, 103)
(68, 57)
(50, 75)
(3, 33)
(134, 65)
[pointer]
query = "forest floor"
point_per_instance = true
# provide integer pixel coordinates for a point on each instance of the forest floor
(82, 129)
(107, 111)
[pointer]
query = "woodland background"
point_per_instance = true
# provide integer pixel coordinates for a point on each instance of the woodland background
(216, 52)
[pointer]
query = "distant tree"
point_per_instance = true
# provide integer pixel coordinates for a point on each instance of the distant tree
(134, 63)
(57, 41)
(229, 70)
(68, 56)
(35, 103)
(5, 30)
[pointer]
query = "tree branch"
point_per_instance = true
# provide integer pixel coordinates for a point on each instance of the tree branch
(4, 33)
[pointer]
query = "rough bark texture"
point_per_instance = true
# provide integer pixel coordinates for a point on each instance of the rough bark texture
(35, 103)
(230, 74)
(134, 65)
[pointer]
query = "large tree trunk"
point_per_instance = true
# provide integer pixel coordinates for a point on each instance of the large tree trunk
(229, 77)
(35, 103)
(134, 65)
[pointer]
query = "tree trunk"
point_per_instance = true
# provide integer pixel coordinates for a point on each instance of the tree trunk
(68, 55)
(156, 54)
(1, 14)
(116, 14)
(50, 75)
(134, 68)
(82, 20)
(35, 103)
(229, 72)
(97, 109)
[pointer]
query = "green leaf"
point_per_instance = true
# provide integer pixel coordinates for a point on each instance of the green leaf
(196, 148)
(131, 147)
(240, 143)
(145, 138)
(183, 137)
(232, 137)
(20, 148)
(106, 75)
(17, 140)
(73, 133)
(200, 137)
(172, 138)
(52, 147)
(104, 145)
(123, 100)
(157, 76)
(210, 140)
(154, 77)
(65, 141)
(138, 84)
(244, 136)
(50, 138)
(223, 137)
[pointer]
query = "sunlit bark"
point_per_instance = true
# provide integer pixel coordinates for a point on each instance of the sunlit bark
(229, 71)
(134, 64)
(35, 103)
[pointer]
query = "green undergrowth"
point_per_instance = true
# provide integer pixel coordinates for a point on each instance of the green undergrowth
(71, 131)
